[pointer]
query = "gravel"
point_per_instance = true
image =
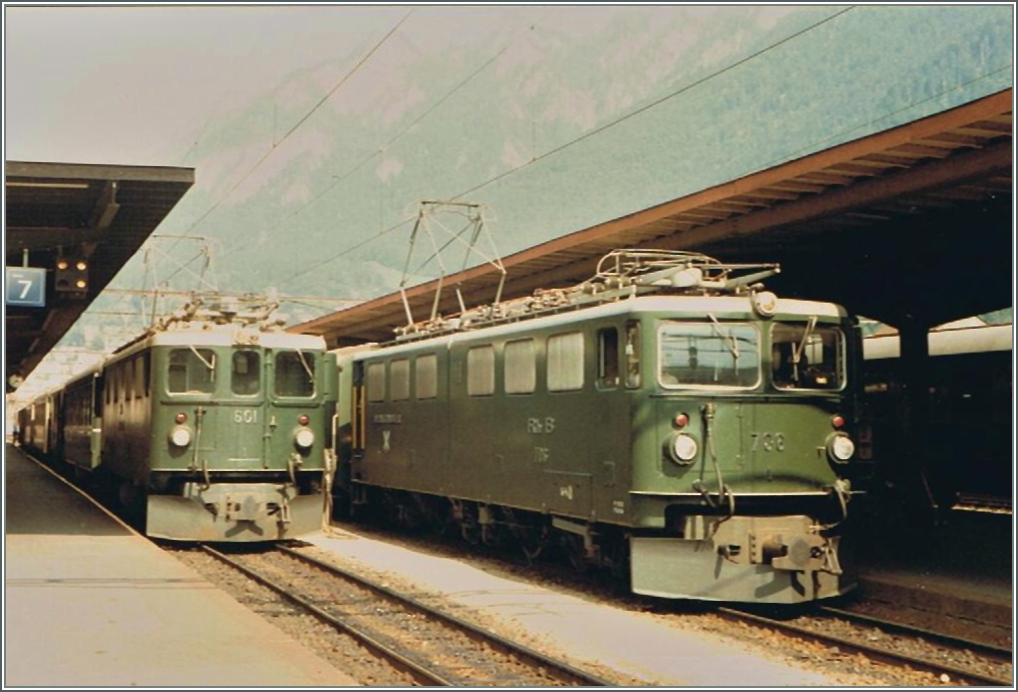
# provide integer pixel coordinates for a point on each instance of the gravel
(633, 640)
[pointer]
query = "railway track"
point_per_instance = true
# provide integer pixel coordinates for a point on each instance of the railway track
(951, 659)
(427, 646)
(986, 504)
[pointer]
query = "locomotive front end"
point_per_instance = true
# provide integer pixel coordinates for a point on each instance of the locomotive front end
(237, 448)
(742, 483)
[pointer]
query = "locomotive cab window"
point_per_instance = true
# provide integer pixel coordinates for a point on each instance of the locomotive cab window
(708, 354)
(191, 371)
(807, 356)
(245, 374)
(633, 377)
(295, 374)
(607, 358)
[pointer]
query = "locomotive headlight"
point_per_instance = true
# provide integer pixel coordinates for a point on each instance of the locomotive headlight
(304, 438)
(180, 436)
(683, 448)
(840, 447)
(765, 303)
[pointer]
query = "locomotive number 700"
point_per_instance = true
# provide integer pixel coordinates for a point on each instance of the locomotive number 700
(245, 415)
(769, 442)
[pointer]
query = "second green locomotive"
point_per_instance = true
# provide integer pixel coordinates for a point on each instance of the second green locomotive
(668, 419)
(208, 427)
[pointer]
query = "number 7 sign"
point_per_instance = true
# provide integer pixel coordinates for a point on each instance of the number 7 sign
(26, 286)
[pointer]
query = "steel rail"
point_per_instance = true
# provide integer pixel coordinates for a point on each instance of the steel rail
(505, 646)
(420, 674)
(980, 648)
(879, 653)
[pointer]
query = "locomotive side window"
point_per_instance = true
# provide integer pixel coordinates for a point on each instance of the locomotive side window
(607, 357)
(426, 376)
(191, 370)
(376, 381)
(481, 371)
(722, 354)
(295, 373)
(807, 356)
(399, 379)
(565, 362)
(245, 375)
(520, 367)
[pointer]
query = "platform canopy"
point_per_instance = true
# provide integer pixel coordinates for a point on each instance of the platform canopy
(61, 212)
(911, 223)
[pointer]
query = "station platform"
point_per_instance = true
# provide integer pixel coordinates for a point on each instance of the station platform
(962, 567)
(90, 603)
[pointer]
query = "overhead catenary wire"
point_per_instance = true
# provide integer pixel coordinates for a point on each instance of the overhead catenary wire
(382, 148)
(811, 146)
(275, 146)
(591, 133)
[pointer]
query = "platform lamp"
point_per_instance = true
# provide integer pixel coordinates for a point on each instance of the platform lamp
(72, 276)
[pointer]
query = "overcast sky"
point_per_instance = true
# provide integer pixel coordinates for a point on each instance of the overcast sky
(126, 85)
(133, 85)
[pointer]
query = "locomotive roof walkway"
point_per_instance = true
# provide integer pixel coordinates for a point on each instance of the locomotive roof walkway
(89, 603)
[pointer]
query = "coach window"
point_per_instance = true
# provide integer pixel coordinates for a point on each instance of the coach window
(481, 371)
(140, 377)
(133, 381)
(146, 361)
(565, 362)
(520, 367)
(245, 374)
(426, 373)
(376, 381)
(399, 379)
(191, 370)
(607, 358)
(295, 373)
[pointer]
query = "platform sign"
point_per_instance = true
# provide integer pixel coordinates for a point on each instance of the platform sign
(26, 286)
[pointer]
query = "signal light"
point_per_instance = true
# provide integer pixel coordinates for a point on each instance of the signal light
(71, 275)
(681, 420)
(837, 421)
(303, 420)
(181, 418)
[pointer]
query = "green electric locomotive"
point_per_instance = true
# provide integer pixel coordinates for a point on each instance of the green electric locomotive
(668, 419)
(209, 427)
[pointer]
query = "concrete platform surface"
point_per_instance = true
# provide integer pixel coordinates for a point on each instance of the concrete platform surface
(89, 603)
(587, 631)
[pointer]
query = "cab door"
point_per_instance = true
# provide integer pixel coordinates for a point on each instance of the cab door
(244, 421)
